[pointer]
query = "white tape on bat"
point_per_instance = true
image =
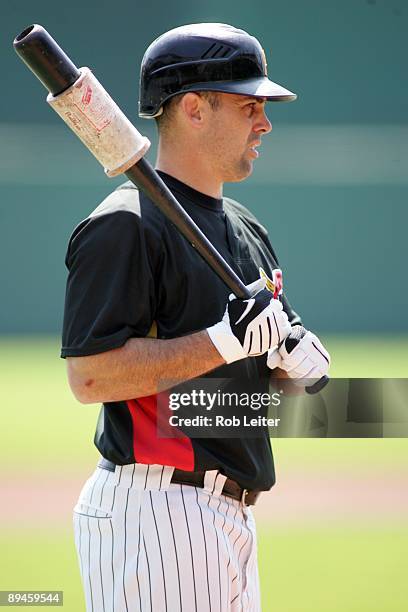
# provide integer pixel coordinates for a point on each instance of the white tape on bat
(97, 120)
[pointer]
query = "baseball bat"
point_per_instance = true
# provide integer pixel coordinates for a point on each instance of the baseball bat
(82, 102)
(85, 106)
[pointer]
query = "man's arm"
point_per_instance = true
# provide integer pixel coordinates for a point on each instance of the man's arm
(141, 367)
(144, 366)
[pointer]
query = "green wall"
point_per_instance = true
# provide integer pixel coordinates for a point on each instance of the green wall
(330, 185)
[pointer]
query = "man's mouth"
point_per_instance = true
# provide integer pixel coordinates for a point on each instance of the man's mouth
(253, 151)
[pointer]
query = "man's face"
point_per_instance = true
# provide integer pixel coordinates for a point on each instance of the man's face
(232, 133)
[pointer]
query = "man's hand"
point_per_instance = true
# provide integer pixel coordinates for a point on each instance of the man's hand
(302, 356)
(250, 327)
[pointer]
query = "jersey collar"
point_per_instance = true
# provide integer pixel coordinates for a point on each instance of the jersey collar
(196, 197)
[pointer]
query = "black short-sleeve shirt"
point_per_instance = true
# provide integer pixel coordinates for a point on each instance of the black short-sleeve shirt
(130, 271)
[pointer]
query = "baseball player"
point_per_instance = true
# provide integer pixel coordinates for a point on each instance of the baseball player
(165, 524)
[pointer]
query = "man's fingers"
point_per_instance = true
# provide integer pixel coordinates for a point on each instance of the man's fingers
(308, 359)
(274, 359)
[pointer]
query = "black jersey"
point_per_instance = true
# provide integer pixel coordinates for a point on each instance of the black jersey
(130, 271)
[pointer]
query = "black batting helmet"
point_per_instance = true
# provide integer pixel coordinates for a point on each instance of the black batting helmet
(204, 57)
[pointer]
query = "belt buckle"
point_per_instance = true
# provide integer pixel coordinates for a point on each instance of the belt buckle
(243, 496)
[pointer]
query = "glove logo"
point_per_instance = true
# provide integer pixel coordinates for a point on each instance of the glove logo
(278, 282)
(250, 303)
(275, 286)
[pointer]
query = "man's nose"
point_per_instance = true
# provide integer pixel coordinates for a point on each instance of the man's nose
(262, 125)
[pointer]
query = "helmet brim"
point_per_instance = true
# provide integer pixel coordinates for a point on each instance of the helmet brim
(259, 87)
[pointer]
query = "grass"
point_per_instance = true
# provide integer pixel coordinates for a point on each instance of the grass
(42, 560)
(368, 356)
(334, 570)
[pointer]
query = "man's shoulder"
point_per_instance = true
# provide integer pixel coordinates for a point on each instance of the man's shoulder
(123, 213)
(125, 206)
(125, 198)
(234, 208)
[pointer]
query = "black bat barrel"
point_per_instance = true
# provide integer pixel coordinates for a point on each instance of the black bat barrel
(46, 59)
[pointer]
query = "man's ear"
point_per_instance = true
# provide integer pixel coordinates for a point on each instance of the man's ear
(192, 107)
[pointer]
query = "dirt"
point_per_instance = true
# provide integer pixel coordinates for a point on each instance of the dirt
(310, 497)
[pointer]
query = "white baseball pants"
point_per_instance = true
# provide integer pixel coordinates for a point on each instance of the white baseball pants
(147, 545)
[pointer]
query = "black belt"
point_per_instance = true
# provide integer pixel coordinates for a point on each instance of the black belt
(196, 479)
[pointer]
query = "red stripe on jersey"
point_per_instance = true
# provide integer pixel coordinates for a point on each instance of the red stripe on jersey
(148, 447)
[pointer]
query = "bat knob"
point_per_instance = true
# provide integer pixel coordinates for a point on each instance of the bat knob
(318, 386)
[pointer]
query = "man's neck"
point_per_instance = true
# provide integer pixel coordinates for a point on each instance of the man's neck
(189, 169)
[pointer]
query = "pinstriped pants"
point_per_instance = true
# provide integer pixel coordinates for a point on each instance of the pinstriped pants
(148, 545)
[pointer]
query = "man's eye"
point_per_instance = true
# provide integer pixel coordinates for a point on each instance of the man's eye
(250, 108)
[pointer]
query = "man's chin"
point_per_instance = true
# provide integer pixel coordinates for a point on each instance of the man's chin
(244, 171)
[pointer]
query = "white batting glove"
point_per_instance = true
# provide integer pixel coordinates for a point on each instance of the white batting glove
(302, 356)
(250, 327)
